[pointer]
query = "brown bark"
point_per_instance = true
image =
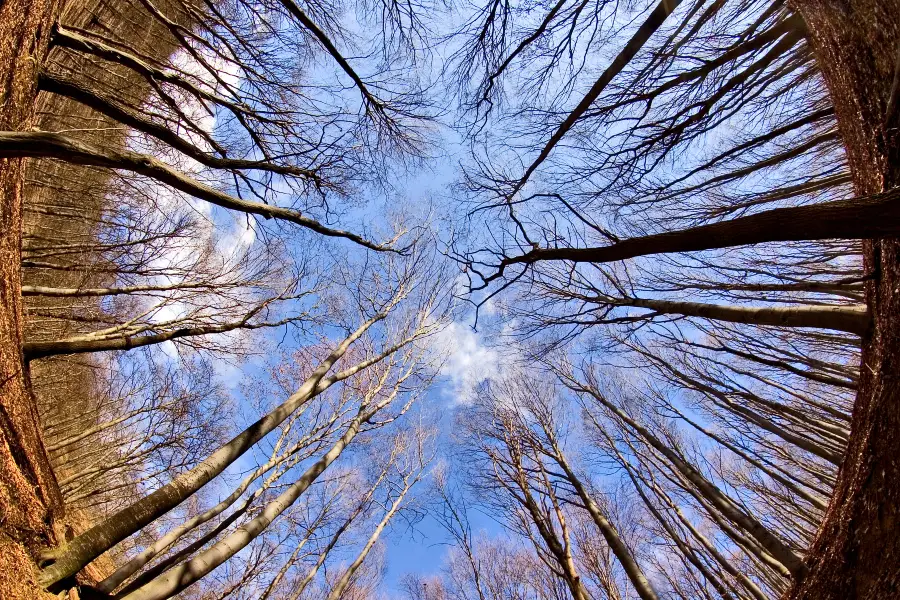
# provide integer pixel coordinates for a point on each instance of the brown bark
(40, 144)
(856, 553)
(877, 215)
(120, 112)
(30, 500)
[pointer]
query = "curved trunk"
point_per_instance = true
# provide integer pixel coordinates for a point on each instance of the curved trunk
(856, 553)
(30, 499)
(42, 144)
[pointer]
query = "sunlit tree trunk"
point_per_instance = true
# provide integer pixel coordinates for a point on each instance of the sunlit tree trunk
(346, 579)
(83, 549)
(856, 553)
(29, 496)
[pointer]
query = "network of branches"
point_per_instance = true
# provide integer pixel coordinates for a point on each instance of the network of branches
(574, 293)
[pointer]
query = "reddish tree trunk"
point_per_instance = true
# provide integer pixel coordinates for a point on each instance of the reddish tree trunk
(29, 496)
(856, 553)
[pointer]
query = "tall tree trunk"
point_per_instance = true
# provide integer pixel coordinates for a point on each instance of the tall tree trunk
(72, 557)
(873, 216)
(852, 319)
(30, 500)
(337, 592)
(856, 553)
(613, 539)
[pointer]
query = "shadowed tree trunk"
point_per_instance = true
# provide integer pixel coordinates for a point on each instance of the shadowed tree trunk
(29, 496)
(856, 553)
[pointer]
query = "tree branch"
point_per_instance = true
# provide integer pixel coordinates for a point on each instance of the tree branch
(875, 216)
(41, 144)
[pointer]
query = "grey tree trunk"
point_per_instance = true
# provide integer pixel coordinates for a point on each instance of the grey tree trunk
(172, 582)
(103, 536)
(772, 544)
(608, 530)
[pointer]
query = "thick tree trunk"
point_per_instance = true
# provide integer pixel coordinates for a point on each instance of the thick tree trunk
(29, 497)
(856, 553)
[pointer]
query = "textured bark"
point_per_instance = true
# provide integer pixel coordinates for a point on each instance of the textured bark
(65, 202)
(856, 553)
(186, 574)
(29, 496)
(852, 319)
(120, 112)
(36, 290)
(84, 344)
(173, 535)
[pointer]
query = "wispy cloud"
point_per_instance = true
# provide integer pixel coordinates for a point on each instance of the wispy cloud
(472, 360)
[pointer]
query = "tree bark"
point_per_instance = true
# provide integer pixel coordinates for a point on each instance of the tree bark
(653, 22)
(83, 344)
(852, 319)
(856, 552)
(53, 292)
(103, 536)
(122, 113)
(177, 579)
(30, 499)
(874, 216)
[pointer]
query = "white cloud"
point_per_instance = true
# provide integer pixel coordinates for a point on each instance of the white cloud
(469, 361)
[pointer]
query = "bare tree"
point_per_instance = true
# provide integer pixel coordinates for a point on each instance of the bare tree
(595, 188)
(412, 325)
